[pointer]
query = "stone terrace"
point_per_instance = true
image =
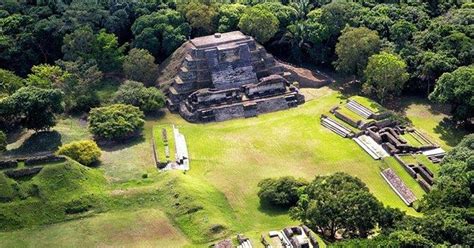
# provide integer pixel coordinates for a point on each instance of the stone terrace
(229, 75)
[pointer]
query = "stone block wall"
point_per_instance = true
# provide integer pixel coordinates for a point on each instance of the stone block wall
(272, 104)
(229, 112)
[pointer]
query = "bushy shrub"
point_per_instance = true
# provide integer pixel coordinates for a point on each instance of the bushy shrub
(282, 192)
(3, 141)
(134, 93)
(7, 188)
(115, 122)
(85, 152)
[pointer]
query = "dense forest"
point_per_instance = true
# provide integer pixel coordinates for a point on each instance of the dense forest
(57, 56)
(415, 48)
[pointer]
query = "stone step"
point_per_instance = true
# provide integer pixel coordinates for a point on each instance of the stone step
(334, 129)
(339, 126)
(358, 111)
(366, 148)
(331, 127)
(374, 146)
(361, 107)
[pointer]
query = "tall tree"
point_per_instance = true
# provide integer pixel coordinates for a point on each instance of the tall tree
(47, 76)
(457, 89)
(201, 17)
(9, 82)
(103, 48)
(431, 65)
(254, 19)
(160, 32)
(229, 16)
(79, 85)
(354, 48)
(338, 202)
(286, 15)
(139, 65)
(385, 75)
(134, 93)
(35, 108)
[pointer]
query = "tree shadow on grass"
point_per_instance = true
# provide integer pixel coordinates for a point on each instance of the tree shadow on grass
(156, 115)
(112, 146)
(41, 142)
(401, 104)
(271, 210)
(449, 132)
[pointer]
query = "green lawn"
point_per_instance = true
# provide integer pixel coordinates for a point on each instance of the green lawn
(432, 120)
(422, 159)
(368, 103)
(411, 140)
(217, 198)
(142, 228)
(349, 113)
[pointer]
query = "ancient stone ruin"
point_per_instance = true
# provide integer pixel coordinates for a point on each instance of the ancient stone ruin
(226, 76)
(398, 186)
(181, 155)
(381, 136)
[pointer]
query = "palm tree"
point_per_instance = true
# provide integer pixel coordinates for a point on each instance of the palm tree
(295, 39)
(302, 8)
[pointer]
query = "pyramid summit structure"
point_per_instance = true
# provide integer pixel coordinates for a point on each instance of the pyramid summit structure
(226, 76)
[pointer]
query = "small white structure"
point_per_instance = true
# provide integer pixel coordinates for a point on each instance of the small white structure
(181, 153)
(182, 156)
(434, 152)
(369, 145)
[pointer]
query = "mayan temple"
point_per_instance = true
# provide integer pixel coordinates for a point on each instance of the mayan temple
(226, 76)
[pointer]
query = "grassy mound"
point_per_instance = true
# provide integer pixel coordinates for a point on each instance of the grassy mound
(59, 192)
(200, 210)
(65, 181)
(8, 188)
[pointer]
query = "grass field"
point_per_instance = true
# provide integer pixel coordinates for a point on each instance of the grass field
(143, 228)
(217, 198)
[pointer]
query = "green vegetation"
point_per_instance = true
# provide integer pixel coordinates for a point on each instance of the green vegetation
(457, 89)
(280, 192)
(145, 227)
(3, 141)
(115, 122)
(31, 108)
(46, 76)
(338, 202)
(85, 152)
(9, 82)
(229, 16)
(59, 192)
(354, 48)
(385, 75)
(160, 32)
(136, 94)
(228, 159)
(76, 54)
(8, 189)
(254, 19)
(139, 65)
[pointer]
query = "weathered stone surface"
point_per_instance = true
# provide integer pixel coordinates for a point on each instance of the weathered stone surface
(226, 76)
